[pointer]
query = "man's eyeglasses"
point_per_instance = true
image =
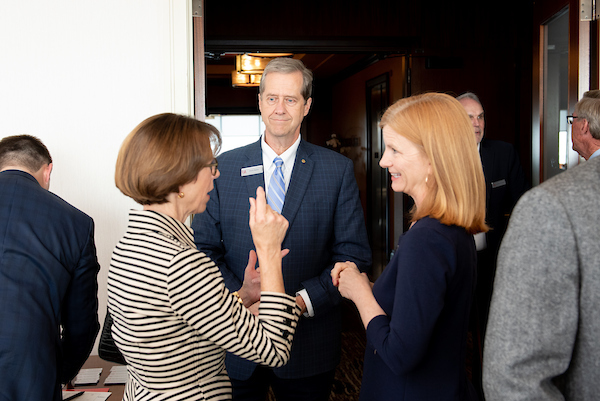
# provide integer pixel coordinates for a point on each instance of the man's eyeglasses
(570, 119)
(478, 118)
(214, 166)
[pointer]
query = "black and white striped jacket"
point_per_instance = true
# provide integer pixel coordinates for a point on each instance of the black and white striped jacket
(174, 318)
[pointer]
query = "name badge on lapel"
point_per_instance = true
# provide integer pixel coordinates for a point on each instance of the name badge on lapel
(498, 183)
(251, 170)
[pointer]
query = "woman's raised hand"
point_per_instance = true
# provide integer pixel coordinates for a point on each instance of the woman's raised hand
(268, 227)
(268, 231)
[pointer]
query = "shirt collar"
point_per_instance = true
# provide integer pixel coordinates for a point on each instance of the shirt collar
(288, 157)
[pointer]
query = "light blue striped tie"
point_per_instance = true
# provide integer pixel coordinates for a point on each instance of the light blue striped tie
(277, 187)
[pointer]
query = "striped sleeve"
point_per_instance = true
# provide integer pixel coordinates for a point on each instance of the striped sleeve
(198, 294)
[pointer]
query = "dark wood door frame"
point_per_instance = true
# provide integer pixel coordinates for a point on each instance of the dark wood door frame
(542, 13)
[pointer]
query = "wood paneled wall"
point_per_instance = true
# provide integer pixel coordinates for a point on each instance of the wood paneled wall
(484, 47)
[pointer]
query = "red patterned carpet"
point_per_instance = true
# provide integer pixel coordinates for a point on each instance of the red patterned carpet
(348, 375)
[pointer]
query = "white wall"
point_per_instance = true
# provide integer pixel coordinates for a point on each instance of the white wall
(80, 75)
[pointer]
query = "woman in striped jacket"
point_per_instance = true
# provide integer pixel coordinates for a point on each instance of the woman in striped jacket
(173, 316)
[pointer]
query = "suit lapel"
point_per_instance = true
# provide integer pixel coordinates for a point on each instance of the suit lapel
(487, 162)
(303, 169)
(254, 158)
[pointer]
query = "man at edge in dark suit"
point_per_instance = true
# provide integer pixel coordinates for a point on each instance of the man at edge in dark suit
(505, 182)
(326, 226)
(48, 278)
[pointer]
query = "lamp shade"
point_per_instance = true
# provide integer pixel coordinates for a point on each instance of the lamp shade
(244, 80)
(246, 64)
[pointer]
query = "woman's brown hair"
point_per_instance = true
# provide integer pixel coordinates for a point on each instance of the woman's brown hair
(163, 153)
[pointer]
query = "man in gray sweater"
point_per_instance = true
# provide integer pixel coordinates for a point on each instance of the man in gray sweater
(543, 336)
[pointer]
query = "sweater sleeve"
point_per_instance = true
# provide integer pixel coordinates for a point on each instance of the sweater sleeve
(198, 294)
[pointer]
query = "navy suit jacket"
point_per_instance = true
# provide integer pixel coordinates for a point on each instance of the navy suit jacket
(48, 279)
(505, 182)
(326, 226)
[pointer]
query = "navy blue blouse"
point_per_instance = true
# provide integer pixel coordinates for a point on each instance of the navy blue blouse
(417, 351)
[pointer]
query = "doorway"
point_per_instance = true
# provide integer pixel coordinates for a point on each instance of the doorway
(378, 210)
(561, 73)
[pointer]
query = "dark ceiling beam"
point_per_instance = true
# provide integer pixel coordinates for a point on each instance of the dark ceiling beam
(349, 45)
(357, 67)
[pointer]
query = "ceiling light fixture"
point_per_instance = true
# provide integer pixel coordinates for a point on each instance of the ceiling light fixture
(250, 66)
(244, 80)
(246, 64)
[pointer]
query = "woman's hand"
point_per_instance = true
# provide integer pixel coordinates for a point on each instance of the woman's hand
(356, 287)
(351, 283)
(268, 230)
(338, 268)
(250, 290)
(268, 227)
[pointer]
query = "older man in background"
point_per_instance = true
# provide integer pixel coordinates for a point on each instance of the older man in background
(505, 182)
(585, 130)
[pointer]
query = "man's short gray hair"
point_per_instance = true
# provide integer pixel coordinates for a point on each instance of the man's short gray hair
(594, 94)
(589, 108)
(286, 65)
(469, 95)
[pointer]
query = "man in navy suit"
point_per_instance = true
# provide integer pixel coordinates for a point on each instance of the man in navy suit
(48, 284)
(326, 226)
(505, 182)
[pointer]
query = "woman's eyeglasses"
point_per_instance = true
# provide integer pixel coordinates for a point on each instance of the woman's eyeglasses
(214, 167)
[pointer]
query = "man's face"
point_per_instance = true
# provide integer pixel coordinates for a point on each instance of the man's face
(577, 133)
(475, 112)
(282, 106)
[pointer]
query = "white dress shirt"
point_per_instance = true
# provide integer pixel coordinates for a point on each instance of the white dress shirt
(288, 157)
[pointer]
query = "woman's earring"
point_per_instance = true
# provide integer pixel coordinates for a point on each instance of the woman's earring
(180, 195)
(426, 179)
